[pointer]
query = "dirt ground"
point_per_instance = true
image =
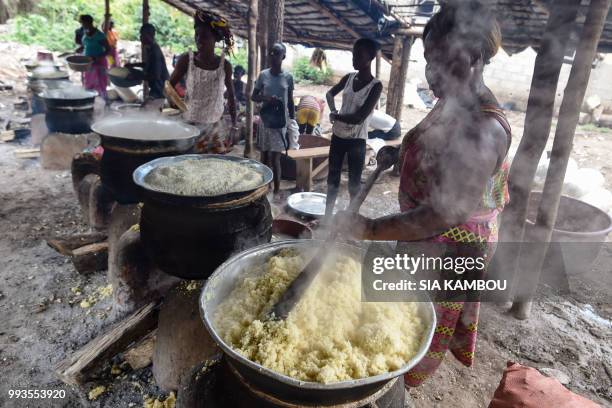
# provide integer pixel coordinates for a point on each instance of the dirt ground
(42, 319)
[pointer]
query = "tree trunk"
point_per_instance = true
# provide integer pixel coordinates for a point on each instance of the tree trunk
(276, 11)
(249, 151)
(538, 120)
(395, 72)
(562, 145)
(401, 80)
(262, 33)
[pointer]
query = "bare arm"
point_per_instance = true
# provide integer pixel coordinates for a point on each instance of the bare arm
(180, 70)
(290, 102)
(455, 191)
(365, 110)
(229, 86)
(335, 90)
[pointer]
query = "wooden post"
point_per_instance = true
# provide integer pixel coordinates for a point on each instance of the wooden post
(262, 34)
(145, 20)
(377, 72)
(145, 11)
(249, 151)
(562, 145)
(401, 80)
(276, 12)
(538, 120)
(107, 16)
(395, 72)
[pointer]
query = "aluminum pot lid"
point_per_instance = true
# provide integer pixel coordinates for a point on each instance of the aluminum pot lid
(145, 128)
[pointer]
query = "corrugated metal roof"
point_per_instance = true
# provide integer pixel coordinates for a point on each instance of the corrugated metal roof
(337, 23)
(327, 23)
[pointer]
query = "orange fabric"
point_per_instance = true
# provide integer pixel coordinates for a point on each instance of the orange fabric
(525, 387)
(113, 38)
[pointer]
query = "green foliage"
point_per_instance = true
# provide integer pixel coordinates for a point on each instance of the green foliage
(53, 22)
(239, 57)
(305, 73)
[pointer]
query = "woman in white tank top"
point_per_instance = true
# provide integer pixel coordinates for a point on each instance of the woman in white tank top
(208, 76)
(360, 92)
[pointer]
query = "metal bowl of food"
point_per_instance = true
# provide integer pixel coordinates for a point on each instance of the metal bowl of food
(220, 285)
(79, 63)
(161, 194)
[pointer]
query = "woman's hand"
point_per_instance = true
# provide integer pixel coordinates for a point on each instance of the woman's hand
(352, 226)
(333, 116)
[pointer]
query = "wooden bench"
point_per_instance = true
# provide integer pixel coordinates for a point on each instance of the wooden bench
(304, 171)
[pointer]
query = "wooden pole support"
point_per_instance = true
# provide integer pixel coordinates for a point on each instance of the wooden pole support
(76, 369)
(562, 145)
(538, 121)
(249, 150)
(395, 72)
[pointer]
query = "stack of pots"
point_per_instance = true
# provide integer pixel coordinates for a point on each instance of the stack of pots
(132, 141)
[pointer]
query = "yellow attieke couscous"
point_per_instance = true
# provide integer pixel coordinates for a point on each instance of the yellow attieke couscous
(330, 336)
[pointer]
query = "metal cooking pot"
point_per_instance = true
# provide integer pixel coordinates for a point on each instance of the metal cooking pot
(55, 99)
(141, 173)
(131, 141)
(145, 134)
(221, 283)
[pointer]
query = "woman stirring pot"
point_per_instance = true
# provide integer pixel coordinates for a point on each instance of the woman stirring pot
(208, 75)
(453, 168)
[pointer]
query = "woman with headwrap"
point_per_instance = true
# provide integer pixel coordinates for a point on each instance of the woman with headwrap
(208, 76)
(453, 170)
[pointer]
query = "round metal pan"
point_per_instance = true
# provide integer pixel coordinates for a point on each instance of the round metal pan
(141, 172)
(221, 283)
(308, 204)
(52, 102)
(132, 134)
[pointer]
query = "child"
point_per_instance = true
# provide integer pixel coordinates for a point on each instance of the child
(274, 87)
(360, 92)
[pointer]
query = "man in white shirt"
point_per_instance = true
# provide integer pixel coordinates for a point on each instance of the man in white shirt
(384, 126)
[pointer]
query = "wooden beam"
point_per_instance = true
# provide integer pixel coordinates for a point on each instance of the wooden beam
(340, 22)
(145, 20)
(249, 150)
(75, 369)
(146, 13)
(276, 15)
(538, 121)
(65, 245)
(107, 16)
(262, 34)
(569, 114)
(395, 73)
(190, 11)
(401, 80)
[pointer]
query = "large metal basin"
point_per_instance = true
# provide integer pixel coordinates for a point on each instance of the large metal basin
(219, 286)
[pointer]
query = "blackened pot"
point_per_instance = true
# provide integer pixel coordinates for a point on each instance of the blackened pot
(69, 119)
(192, 241)
(127, 145)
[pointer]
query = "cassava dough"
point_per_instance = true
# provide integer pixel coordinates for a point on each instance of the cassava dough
(330, 335)
(197, 178)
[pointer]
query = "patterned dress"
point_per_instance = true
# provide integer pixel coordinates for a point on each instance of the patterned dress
(456, 321)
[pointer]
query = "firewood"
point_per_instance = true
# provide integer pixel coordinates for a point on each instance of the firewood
(77, 368)
(27, 153)
(65, 245)
(141, 355)
(91, 258)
